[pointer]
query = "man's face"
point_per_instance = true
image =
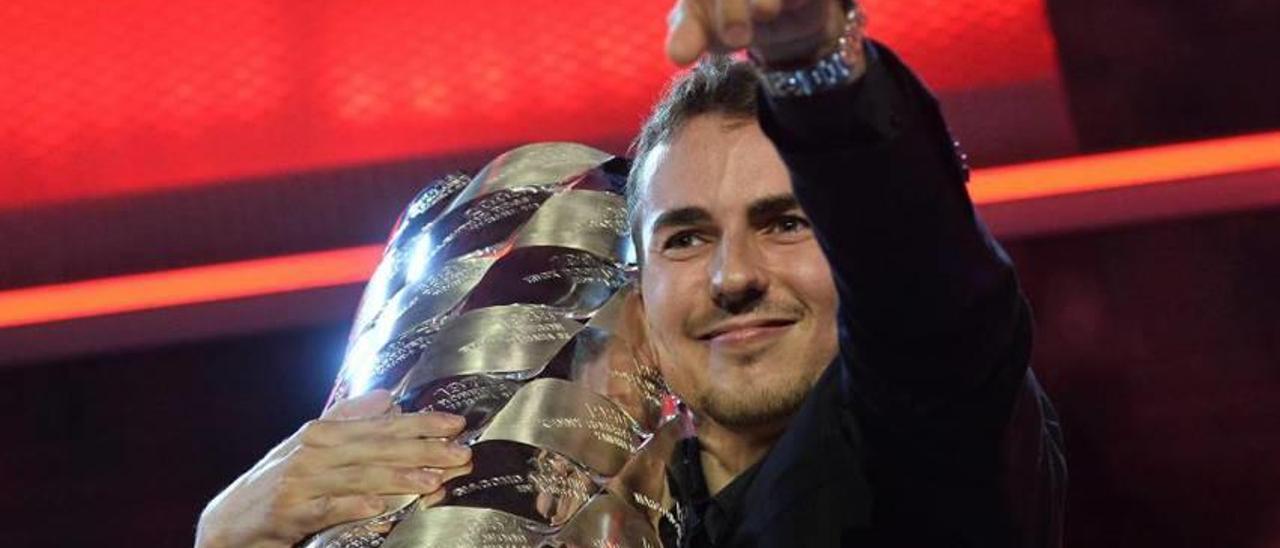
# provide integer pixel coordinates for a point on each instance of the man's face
(737, 295)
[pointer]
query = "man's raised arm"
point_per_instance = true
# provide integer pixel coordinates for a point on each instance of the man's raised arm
(930, 309)
(935, 335)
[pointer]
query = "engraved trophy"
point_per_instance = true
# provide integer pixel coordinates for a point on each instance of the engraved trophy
(506, 298)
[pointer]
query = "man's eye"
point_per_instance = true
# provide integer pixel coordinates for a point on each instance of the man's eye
(789, 223)
(681, 240)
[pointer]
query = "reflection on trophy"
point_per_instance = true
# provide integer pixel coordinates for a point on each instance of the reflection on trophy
(506, 298)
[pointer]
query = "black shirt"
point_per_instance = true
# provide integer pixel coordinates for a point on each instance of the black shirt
(928, 429)
(708, 519)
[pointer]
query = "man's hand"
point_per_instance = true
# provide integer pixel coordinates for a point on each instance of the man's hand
(332, 470)
(778, 32)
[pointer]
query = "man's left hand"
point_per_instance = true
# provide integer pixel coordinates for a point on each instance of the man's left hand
(778, 32)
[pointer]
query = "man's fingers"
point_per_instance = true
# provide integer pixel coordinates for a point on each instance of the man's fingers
(333, 433)
(687, 33)
(455, 472)
(369, 404)
(432, 499)
(367, 480)
(695, 27)
(733, 22)
(435, 497)
(412, 452)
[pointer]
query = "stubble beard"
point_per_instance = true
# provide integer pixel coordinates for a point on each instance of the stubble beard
(754, 406)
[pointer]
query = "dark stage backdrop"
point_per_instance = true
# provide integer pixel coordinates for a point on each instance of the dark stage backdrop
(1158, 344)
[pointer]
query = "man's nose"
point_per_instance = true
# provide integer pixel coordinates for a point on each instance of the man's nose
(738, 277)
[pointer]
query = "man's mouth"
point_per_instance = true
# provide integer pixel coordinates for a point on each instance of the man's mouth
(746, 330)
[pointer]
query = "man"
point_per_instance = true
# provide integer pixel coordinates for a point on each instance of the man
(907, 417)
(817, 291)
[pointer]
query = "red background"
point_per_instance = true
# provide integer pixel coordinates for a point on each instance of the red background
(101, 98)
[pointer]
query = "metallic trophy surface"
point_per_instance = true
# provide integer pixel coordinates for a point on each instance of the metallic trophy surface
(506, 298)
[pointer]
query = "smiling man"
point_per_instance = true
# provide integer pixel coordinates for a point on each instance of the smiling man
(816, 288)
(733, 275)
(818, 291)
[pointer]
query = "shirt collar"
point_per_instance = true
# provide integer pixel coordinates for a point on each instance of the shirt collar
(710, 518)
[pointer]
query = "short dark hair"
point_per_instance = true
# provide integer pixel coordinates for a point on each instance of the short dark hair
(717, 85)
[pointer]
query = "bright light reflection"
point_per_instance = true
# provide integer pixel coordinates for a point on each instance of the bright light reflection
(363, 356)
(375, 294)
(419, 256)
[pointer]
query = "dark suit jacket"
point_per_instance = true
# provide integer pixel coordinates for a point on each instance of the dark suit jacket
(928, 429)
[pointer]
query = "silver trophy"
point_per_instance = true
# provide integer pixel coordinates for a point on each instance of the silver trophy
(506, 298)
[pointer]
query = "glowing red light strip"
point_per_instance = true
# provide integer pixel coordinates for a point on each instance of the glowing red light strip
(1143, 166)
(242, 279)
(185, 286)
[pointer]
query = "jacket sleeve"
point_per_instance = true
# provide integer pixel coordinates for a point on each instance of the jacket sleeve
(934, 332)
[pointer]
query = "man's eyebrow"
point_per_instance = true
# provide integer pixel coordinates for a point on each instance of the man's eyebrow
(765, 210)
(682, 216)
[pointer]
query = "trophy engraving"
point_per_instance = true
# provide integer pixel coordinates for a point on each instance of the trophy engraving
(507, 299)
